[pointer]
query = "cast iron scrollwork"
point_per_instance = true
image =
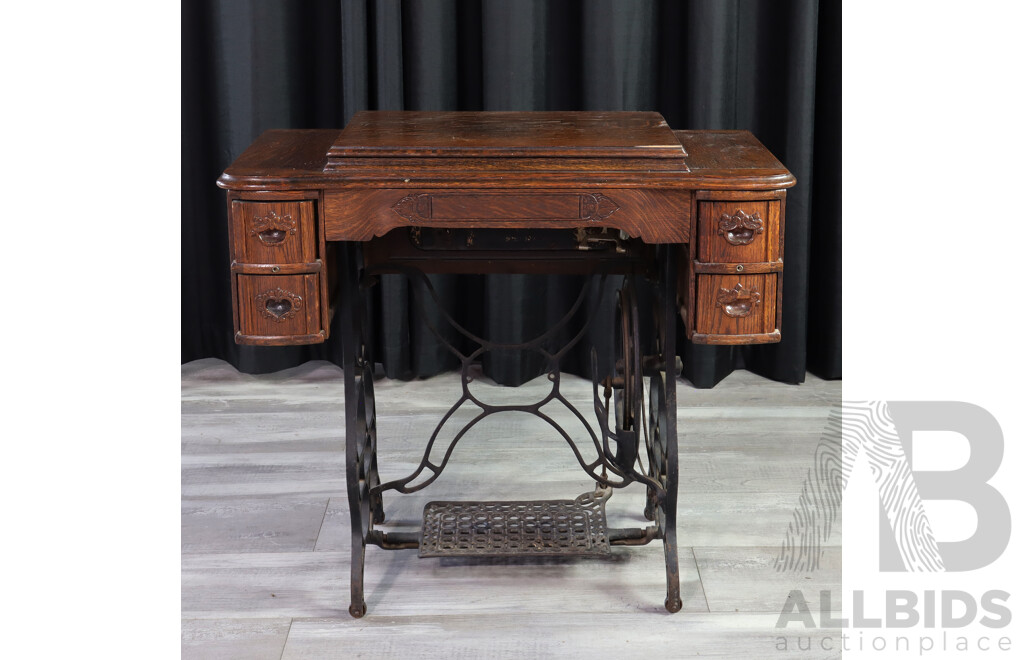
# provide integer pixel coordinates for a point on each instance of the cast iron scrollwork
(616, 438)
(625, 385)
(607, 461)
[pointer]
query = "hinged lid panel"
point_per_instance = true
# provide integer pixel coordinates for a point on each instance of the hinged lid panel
(385, 134)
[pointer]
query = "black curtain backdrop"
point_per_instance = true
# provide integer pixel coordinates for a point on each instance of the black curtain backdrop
(771, 67)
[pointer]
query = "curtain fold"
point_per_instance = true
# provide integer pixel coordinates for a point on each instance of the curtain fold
(770, 67)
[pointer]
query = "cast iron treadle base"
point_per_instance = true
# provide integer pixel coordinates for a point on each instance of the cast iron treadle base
(498, 529)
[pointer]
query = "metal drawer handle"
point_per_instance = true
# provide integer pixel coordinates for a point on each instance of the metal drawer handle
(272, 236)
(740, 228)
(279, 307)
(738, 301)
(278, 304)
(272, 228)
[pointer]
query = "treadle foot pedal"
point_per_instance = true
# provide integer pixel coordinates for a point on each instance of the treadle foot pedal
(501, 529)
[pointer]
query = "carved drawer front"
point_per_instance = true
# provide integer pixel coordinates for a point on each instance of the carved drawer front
(656, 216)
(740, 231)
(735, 305)
(279, 309)
(424, 207)
(273, 232)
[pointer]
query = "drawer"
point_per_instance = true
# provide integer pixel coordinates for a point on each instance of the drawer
(273, 232)
(653, 215)
(279, 309)
(740, 231)
(735, 305)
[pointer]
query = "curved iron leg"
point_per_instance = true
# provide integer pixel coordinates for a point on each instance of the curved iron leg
(673, 601)
(357, 491)
(655, 449)
(358, 607)
(370, 414)
(364, 365)
(358, 438)
(376, 501)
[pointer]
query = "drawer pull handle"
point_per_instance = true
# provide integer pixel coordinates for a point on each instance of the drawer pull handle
(273, 236)
(272, 228)
(279, 307)
(740, 228)
(738, 301)
(278, 304)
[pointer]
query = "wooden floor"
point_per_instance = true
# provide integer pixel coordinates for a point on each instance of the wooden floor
(265, 544)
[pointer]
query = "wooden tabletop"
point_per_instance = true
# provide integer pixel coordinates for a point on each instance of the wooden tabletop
(285, 158)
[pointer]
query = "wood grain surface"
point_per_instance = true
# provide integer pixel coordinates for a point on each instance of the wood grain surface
(656, 216)
(295, 297)
(512, 170)
(507, 135)
(713, 317)
(714, 245)
(273, 232)
(292, 159)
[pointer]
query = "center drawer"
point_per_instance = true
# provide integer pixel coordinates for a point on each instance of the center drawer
(651, 214)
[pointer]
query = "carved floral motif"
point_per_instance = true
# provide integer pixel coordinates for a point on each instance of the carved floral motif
(278, 305)
(273, 228)
(740, 228)
(414, 207)
(418, 207)
(595, 206)
(738, 301)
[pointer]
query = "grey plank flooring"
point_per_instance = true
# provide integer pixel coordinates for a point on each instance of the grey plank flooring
(253, 524)
(265, 538)
(573, 635)
(234, 639)
(744, 579)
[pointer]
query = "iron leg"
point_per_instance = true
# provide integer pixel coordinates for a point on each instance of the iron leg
(360, 424)
(358, 607)
(670, 263)
(673, 601)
